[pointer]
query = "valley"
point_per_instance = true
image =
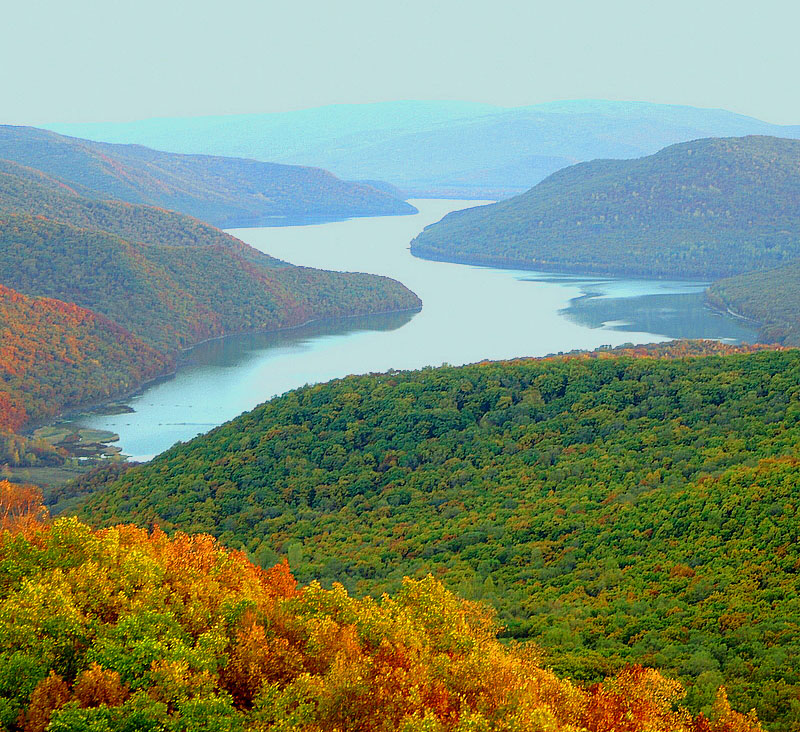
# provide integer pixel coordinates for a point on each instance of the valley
(469, 314)
(518, 453)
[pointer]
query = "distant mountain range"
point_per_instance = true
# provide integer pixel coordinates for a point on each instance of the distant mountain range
(457, 149)
(702, 209)
(224, 191)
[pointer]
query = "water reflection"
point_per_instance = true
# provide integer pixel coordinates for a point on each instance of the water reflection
(235, 350)
(675, 315)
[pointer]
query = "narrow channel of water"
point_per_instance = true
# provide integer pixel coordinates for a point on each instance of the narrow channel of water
(469, 314)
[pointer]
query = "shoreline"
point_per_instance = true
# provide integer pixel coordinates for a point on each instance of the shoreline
(500, 263)
(553, 268)
(84, 407)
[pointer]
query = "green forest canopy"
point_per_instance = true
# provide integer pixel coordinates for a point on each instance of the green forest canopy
(614, 508)
(124, 630)
(703, 209)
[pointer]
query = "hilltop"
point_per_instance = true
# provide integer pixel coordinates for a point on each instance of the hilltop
(703, 209)
(225, 191)
(626, 506)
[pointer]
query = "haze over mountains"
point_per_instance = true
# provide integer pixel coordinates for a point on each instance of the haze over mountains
(223, 191)
(441, 148)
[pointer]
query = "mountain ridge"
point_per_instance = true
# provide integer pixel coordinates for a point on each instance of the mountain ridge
(227, 192)
(442, 149)
(702, 209)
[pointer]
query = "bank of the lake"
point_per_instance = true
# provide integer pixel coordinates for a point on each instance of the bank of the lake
(469, 314)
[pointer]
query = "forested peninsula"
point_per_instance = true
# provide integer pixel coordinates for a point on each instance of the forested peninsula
(704, 209)
(98, 296)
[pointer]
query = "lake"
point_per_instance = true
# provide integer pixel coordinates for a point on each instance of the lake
(469, 314)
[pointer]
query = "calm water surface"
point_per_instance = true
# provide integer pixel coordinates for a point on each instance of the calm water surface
(469, 314)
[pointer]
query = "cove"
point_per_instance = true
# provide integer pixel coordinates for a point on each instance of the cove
(469, 314)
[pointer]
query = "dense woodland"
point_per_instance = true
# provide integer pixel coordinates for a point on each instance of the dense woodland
(174, 297)
(55, 354)
(227, 192)
(702, 209)
(616, 509)
(127, 630)
(129, 287)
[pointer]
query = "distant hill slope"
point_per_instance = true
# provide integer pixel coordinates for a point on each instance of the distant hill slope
(772, 298)
(24, 190)
(55, 354)
(453, 149)
(703, 209)
(175, 296)
(615, 507)
(224, 191)
(154, 280)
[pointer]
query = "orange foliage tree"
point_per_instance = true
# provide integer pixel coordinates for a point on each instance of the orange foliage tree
(125, 629)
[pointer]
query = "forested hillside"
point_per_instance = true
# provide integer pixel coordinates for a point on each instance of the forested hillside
(124, 630)
(155, 282)
(702, 209)
(224, 191)
(24, 190)
(772, 298)
(616, 509)
(174, 297)
(54, 354)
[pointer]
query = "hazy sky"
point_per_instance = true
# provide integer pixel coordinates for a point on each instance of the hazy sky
(104, 60)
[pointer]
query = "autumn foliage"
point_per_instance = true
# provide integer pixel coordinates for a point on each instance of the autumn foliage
(125, 629)
(54, 354)
(20, 506)
(99, 296)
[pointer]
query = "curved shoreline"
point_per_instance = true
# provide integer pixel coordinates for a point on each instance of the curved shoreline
(502, 263)
(83, 407)
(552, 267)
